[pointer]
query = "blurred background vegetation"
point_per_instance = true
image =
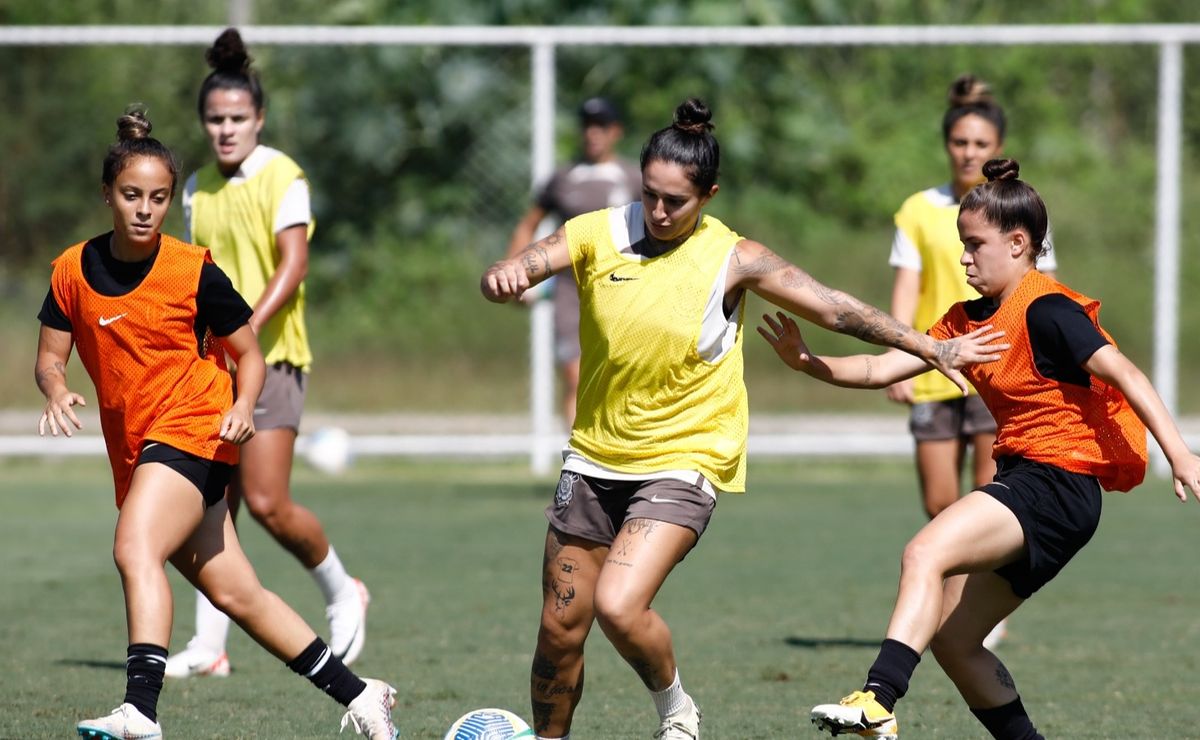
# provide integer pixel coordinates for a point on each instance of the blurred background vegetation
(419, 164)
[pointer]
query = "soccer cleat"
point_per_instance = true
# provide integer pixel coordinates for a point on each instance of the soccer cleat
(197, 660)
(997, 635)
(124, 723)
(348, 624)
(371, 712)
(682, 726)
(857, 714)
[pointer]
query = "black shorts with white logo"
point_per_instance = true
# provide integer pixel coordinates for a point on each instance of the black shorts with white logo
(1059, 512)
(595, 508)
(208, 476)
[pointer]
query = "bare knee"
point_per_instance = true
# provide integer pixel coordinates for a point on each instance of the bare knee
(616, 615)
(920, 558)
(268, 507)
(133, 558)
(558, 636)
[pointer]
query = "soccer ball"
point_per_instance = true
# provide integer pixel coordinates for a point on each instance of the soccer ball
(488, 724)
(328, 450)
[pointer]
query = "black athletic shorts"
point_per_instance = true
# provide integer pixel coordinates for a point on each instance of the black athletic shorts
(208, 476)
(1058, 510)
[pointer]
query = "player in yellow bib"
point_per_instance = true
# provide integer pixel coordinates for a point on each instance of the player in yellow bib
(662, 417)
(251, 209)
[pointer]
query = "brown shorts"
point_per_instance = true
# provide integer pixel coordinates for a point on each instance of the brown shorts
(282, 399)
(952, 419)
(595, 508)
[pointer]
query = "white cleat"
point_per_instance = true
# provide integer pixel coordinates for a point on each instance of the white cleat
(124, 723)
(682, 726)
(197, 660)
(370, 713)
(348, 624)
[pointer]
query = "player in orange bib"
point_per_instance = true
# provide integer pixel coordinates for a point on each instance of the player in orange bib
(152, 319)
(1070, 410)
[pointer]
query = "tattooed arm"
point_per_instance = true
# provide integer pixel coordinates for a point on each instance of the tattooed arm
(50, 372)
(755, 267)
(512, 276)
(854, 371)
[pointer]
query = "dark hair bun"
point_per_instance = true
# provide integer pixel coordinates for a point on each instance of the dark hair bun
(228, 53)
(969, 90)
(134, 124)
(1001, 169)
(693, 117)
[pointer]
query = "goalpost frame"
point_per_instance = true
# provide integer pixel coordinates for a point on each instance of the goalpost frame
(543, 445)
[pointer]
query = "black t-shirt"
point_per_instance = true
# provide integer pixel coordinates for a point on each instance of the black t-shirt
(1061, 335)
(218, 306)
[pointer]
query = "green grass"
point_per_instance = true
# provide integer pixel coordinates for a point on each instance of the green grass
(780, 607)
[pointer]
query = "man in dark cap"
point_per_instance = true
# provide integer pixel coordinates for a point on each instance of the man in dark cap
(598, 179)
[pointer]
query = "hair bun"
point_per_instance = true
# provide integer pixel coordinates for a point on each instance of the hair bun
(134, 124)
(228, 53)
(693, 117)
(1001, 169)
(969, 90)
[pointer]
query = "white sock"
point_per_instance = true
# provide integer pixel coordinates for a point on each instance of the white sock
(331, 577)
(564, 737)
(671, 700)
(212, 625)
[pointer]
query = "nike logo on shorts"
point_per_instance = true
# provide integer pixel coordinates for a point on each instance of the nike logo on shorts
(106, 322)
(656, 500)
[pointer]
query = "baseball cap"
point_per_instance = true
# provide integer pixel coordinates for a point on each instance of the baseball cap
(598, 111)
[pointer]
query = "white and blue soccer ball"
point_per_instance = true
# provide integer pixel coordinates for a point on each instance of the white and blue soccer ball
(328, 449)
(488, 724)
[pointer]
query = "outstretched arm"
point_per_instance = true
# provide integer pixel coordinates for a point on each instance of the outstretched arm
(756, 268)
(50, 372)
(1114, 368)
(512, 276)
(853, 371)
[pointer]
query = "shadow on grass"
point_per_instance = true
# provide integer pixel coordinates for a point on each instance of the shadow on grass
(813, 643)
(111, 665)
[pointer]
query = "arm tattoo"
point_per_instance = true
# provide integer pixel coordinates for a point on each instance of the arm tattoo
(44, 373)
(530, 259)
(868, 361)
(764, 265)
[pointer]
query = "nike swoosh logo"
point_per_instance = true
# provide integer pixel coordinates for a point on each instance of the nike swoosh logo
(106, 322)
(613, 277)
(656, 500)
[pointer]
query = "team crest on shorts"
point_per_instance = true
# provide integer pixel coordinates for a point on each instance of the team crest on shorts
(566, 488)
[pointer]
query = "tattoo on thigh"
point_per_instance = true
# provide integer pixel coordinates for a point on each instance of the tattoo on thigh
(562, 585)
(1004, 677)
(643, 526)
(622, 563)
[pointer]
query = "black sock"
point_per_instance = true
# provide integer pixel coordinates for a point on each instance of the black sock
(889, 675)
(318, 664)
(144, 668)
(1009, 722)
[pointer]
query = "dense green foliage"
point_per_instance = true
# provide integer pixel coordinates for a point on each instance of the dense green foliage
(419, 155)
(452, 554)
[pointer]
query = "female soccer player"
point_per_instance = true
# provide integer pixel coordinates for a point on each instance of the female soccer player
(251, 209)
(1072, 414)
(152, 319)
(662, 417)
(928, 281)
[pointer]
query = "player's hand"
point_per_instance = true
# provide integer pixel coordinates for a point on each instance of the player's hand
(981, 345)
(238, 425)
(504, 281)
(58, 413)
(784, 337)
(901, 391)
(1186, 473)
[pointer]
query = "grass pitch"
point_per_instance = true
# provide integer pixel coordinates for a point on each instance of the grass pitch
(780, 607)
